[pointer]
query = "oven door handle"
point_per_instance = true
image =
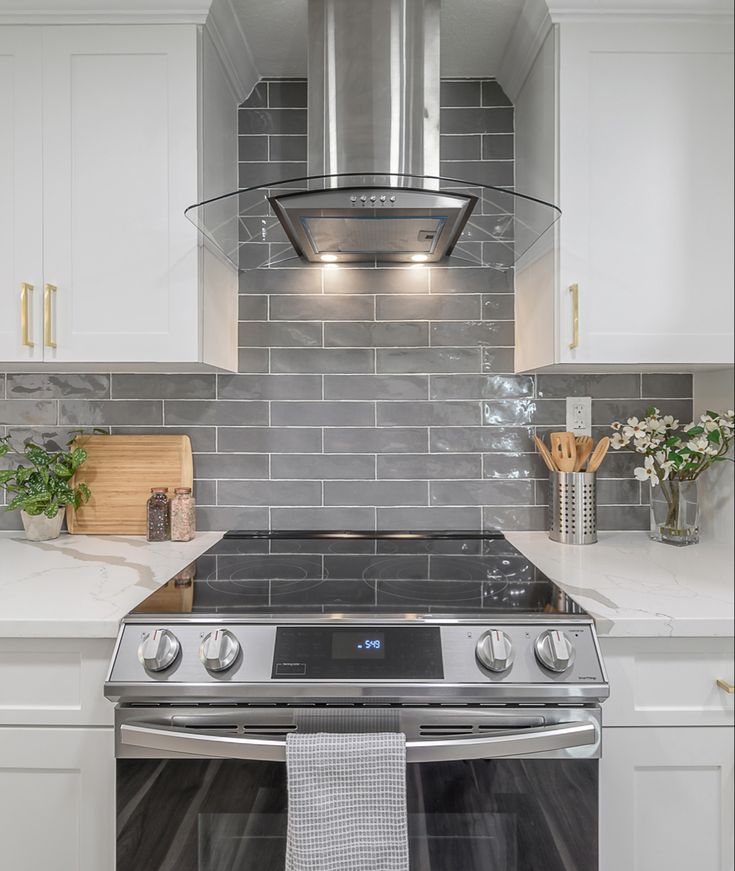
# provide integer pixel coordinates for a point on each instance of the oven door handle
(517, 742)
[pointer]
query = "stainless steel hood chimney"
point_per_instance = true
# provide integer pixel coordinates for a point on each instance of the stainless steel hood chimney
(374, 108)
(374, 192)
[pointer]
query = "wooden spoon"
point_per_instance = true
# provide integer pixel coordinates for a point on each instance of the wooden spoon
(564, 451)
(545, 454)
(584, 449)
(598, 455)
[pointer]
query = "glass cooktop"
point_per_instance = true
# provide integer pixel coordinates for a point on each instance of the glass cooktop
(420, 573)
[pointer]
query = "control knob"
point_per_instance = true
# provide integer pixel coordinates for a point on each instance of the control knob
(159, 650)
(494, 651)
(219, 650)
(555, 650)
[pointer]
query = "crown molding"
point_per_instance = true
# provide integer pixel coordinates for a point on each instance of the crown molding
(39, 12)
(529, 33)
(637, 10)
(231, 45)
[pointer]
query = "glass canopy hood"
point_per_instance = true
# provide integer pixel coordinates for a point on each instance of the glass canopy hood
(373, 219)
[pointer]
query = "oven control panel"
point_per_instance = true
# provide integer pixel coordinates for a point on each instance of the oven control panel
(541, 654)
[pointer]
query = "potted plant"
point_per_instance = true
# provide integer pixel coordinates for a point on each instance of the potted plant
(42, 489)
(674, 458)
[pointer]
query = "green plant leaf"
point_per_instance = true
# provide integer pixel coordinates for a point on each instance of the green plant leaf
(695, 431)
(714, 437)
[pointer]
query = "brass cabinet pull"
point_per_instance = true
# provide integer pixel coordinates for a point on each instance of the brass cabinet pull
(574, 290)
(25, 339)
(725, 686)
(48, 333)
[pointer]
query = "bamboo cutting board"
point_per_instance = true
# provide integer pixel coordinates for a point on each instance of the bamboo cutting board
(120, 471)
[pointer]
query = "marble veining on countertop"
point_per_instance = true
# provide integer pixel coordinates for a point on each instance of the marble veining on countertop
(80, 586)
(633, 586)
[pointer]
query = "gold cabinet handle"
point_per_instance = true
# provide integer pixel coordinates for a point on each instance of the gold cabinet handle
(725, 686)
(574, 290)
(48, 334)
(25, 339)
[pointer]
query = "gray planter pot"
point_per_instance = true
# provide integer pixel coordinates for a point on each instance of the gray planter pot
(38, 527)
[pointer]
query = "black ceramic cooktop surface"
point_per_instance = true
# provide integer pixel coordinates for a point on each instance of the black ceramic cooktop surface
(291, 573)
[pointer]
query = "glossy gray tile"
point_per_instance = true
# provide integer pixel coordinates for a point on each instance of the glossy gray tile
(269, 386)
(323, 468)
(418, 466)
(376, 440)
(376, 493)
(388, 334)
(190, 386)
(37, 385)
(376, 386)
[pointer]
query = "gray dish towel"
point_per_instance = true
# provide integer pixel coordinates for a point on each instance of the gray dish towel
(347, 802)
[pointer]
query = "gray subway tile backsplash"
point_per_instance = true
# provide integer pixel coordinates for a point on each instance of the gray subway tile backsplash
(365, 396)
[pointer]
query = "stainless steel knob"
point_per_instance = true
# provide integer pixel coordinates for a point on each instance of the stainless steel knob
(555, 650)
(494, 651)
(159, 650)
(219, 650)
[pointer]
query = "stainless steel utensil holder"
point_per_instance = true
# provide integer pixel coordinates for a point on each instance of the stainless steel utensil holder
(573, 507)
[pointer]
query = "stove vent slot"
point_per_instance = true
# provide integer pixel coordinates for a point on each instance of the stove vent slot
(268, 730)
(446, 730)
(211, 727)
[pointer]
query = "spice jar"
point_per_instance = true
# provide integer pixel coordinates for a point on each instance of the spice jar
(183, 522)
(159, 521)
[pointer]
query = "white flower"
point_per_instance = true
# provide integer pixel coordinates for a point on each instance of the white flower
(699, 444)
(655, 427)
(634, 428)
(646, 472)
(618, 441)
(642, 443)
(616, 425)
(669, 422)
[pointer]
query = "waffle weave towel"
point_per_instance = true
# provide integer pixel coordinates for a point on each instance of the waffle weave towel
(347, 802)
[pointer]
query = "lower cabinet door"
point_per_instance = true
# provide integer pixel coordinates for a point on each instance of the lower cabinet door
(666, 799)
(57, 799)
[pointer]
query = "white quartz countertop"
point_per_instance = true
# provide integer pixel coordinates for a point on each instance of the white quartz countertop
(80, 586)
(633, 586)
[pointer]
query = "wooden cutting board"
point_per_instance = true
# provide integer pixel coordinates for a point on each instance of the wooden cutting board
(120, 471)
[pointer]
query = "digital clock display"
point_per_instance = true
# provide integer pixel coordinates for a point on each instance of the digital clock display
(358, 645)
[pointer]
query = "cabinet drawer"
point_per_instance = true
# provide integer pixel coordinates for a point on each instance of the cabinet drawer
(668, 681)
(54, 682)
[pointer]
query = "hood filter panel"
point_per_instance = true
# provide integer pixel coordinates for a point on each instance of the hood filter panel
(354, 224)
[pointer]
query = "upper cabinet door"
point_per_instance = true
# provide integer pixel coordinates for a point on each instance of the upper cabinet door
(119, 168)
(21, 232)
(645, 187)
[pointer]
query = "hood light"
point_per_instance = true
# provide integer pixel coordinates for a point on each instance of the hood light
(419, 258)
(329, 258)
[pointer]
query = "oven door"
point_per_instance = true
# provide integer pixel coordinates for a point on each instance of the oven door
(489, 789)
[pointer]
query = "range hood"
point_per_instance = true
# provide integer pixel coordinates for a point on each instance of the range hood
(373, 193)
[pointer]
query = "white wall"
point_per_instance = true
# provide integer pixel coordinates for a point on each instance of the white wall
(715, 391)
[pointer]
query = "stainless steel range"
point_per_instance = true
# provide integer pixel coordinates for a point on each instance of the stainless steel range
(491, 671)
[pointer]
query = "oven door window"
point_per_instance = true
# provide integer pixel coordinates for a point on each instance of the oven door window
(227, 815)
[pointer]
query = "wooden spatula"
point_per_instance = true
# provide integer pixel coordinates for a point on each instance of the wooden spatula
(564, 451)
(598, 455)
(545, 454)
(584, 449)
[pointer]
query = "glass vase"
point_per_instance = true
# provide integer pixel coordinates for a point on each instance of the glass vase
(675, 513)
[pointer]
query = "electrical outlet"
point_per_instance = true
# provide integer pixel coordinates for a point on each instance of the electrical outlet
(579, 415)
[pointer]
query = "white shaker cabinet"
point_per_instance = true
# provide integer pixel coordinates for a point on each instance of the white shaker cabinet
(57, 755)
(666, 802)
(57, 799)
(119, 274)
(21, 195)
(628, 127)
(666, 773)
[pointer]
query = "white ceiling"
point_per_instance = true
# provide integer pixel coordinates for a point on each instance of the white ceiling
(473, 36)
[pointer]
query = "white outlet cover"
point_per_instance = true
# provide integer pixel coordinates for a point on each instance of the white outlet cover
(579, 415)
